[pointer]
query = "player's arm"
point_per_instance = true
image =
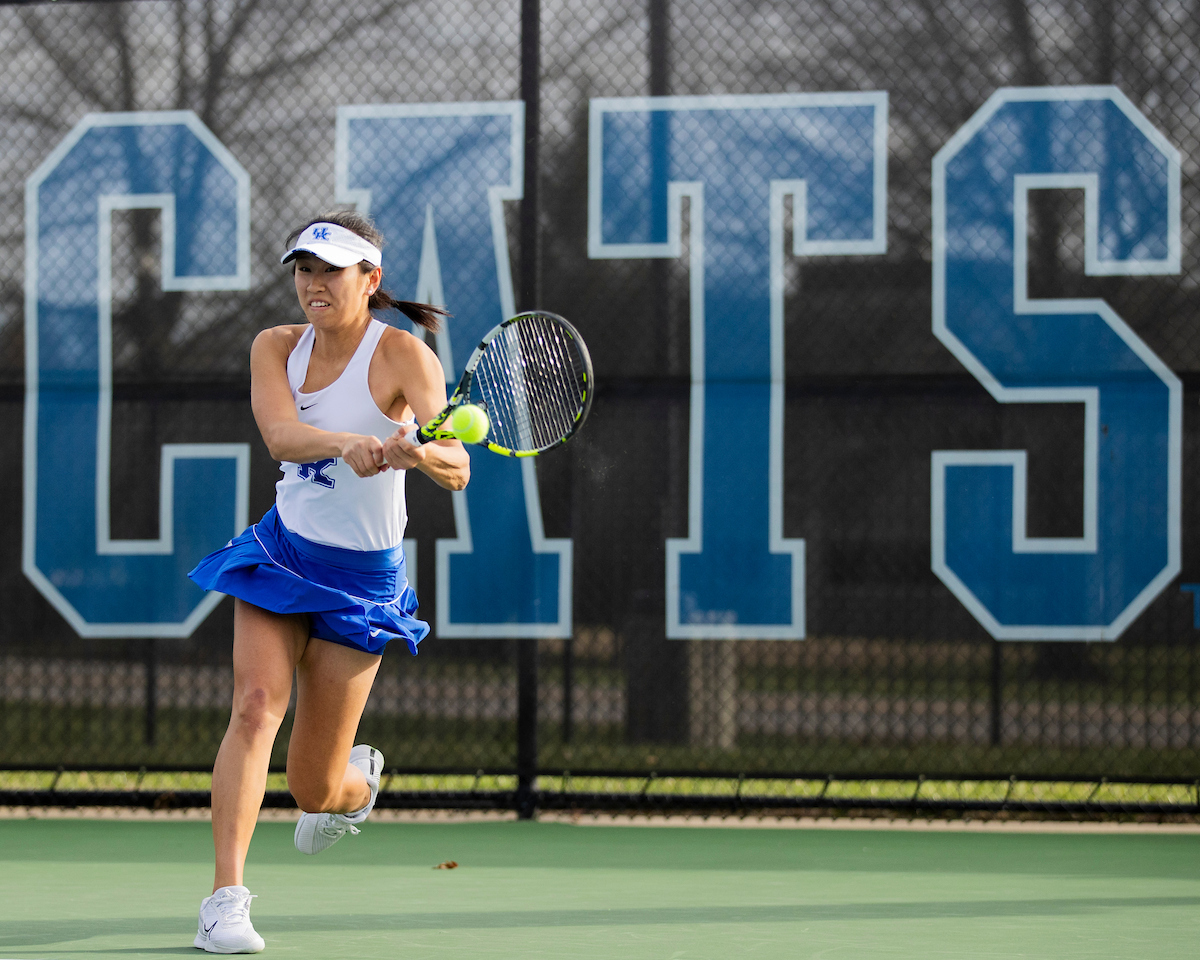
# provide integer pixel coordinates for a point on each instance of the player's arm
(275, 412)
(420, 384)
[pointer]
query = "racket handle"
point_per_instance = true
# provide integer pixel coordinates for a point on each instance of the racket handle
(415, 437)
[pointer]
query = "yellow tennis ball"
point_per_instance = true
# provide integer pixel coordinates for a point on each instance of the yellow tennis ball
(470, 423)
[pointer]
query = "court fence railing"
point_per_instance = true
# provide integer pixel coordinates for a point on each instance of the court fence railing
(670, 794)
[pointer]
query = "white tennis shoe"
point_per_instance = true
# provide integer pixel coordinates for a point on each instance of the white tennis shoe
(320, 831)
(225, 925)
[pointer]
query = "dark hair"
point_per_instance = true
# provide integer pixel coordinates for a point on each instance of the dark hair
(422, 314)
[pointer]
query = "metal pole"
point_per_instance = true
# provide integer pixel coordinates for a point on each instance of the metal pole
(997, 705)
(151, 691)
(527, 744)
(568, 690)
(660, 25)
(530, 299)
(530, 293)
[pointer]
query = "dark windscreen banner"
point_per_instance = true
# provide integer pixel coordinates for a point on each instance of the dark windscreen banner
(893, 333)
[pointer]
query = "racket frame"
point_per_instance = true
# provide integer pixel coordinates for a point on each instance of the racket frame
(462, 393)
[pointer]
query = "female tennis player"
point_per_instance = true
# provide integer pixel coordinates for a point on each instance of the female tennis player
(319, 583)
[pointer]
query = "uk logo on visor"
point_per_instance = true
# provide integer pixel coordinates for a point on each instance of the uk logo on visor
(334, 244)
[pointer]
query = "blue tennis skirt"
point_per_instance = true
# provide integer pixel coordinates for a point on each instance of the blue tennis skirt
(358, 598)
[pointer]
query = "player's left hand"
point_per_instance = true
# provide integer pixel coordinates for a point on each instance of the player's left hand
(400, 452)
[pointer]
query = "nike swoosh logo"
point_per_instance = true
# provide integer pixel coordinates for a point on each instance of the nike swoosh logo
(310, 405)
(208, 930)
(376, 632)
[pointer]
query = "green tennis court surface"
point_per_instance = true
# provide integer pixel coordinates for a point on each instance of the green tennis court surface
(95, 889)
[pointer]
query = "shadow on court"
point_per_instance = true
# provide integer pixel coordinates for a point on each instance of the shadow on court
(20, 933)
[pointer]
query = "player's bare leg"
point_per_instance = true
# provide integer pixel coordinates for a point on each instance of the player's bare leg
(333, 781)
(332, 686)
(266, 649)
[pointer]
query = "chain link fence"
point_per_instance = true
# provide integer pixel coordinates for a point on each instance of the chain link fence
(895, 679)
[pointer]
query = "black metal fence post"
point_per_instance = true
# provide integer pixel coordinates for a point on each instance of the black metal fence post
(568, 690)
(151, 691)
(530, 298)
(997, 693)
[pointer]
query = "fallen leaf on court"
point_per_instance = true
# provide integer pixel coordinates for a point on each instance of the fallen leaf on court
(446, 865)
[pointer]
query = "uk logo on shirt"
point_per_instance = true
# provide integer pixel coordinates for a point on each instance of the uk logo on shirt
(315, 472)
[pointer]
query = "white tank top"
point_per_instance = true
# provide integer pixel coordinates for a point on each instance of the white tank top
(326, 501)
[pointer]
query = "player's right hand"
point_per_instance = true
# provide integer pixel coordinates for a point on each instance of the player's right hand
(364, 455)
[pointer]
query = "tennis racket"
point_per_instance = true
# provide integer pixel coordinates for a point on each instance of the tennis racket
(533, 376)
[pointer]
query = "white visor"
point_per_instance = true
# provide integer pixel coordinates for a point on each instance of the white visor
(335, 245)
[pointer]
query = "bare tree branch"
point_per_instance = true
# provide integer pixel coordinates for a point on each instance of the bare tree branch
(68, 63)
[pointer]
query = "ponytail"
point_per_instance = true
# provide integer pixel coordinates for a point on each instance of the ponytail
(422, 314)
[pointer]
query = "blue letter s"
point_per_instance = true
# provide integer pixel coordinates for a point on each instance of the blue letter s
(1057, 351)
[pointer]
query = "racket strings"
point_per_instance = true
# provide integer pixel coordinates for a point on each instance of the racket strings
(533, 381)
(501, 384)
(559, 374)
(522, 427)
(555, 388)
